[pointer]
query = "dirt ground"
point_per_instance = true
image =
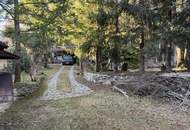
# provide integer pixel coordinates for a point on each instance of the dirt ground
(104, 109)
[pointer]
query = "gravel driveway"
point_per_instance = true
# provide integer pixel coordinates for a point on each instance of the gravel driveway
(52, 92)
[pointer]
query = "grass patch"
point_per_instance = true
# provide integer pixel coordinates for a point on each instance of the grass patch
(64, 82)
(104, 110)
(25, 78)
(51, 70)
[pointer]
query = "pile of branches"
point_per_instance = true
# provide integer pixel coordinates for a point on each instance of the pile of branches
(168, 88)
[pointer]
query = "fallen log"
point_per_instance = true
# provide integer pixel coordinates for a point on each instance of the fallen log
(120, 91)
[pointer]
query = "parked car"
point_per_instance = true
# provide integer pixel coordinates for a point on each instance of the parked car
(68, 60)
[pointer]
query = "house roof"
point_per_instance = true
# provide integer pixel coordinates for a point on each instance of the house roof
(4, 54)
(3, 45)
(8, 55)
(57, 49)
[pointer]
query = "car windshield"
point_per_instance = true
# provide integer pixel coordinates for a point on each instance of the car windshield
(67, 58)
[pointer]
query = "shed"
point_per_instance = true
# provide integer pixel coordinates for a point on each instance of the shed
(6, 85)
(5, 54)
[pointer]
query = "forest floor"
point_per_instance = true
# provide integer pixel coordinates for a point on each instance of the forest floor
(103, 109)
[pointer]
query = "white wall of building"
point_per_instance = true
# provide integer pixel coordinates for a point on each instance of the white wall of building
(3, 64)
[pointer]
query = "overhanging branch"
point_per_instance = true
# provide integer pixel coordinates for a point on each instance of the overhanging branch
(7, 10)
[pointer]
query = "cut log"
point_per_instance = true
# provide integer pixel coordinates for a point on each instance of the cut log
(120, 91)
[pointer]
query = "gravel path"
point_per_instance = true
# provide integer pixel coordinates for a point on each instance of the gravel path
(52, 93)
(78, 89)
(4, 106)
(177, 74)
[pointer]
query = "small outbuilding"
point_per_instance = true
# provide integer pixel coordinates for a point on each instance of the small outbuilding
(6, 82)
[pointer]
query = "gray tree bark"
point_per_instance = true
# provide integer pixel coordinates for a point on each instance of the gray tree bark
(141, 57)
(116, 44)
(17, 41)
(98, 58)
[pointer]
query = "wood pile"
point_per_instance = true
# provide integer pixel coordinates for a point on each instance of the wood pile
(168, 88)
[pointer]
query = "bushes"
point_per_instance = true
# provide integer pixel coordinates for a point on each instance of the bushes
(26, 89)
(25, 62)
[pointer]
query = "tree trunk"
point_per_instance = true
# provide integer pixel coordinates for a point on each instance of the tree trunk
(32, 71)
(188, 56)
(142, 58)
(116, 56)
(81, 67)
(183, 55)
(172, 15)
(116, 44)
(98, 59)
(46, 49)
(169, 57)
(45, 60)
(17, 41)
(182, 58)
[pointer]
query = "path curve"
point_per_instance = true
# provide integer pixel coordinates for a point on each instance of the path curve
(78, 89)
(52, 93)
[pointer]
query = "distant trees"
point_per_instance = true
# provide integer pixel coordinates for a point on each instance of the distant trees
(111, 14)
(175, 31)
(110, 32)
(12, 10)
(35, 17)
(181, 32)
(145, 22)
